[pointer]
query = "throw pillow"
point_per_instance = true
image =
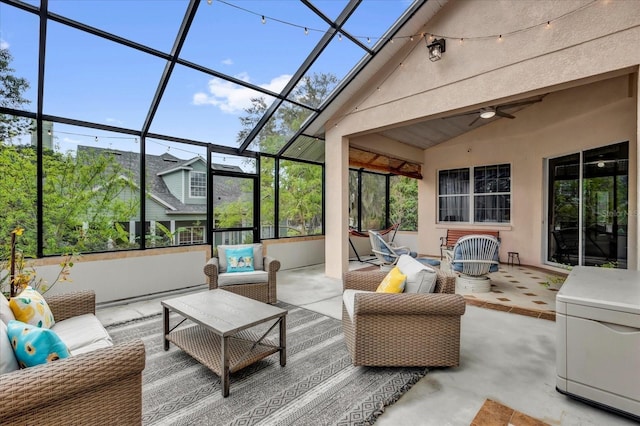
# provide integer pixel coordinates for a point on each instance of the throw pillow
(8, 361)
(239, 259)
(30, 307)
(421, 278)
(393, 283)
(35, 345)
(6, 314)
(258, 264)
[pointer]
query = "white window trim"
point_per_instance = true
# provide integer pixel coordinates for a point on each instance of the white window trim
(191, 187)
(472, 194)
(190, 230)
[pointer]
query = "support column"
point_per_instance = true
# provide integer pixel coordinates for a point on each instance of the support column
(336, 204)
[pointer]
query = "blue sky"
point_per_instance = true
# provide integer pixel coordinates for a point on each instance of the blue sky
(95, 80)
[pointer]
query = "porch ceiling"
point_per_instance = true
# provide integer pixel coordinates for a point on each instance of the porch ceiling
(430, 132)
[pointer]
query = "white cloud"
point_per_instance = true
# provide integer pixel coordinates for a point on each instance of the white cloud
(228, 61)
(114, 121)
(231, 98)
(4, 44)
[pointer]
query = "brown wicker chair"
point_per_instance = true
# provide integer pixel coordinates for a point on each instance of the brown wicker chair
(403, 329)
(261, 291)
(101, 386)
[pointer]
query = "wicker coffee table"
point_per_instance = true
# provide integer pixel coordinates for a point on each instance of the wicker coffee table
(222, 338)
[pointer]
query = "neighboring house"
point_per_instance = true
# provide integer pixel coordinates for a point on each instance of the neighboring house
(176, 195)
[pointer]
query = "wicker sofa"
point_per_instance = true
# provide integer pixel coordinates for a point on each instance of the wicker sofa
(259, 284)
(404, 329)
(99, 386)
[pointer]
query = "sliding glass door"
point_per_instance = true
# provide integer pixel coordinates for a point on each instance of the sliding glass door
(587, 207)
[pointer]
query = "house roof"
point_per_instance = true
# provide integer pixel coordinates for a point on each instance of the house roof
(162, 165)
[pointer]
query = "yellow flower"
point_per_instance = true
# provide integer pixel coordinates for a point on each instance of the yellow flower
(18, 231)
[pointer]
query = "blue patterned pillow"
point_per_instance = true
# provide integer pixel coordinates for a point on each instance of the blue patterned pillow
(239, 259)
(35, 345)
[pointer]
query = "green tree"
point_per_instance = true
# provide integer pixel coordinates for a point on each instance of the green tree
(404, 202)
(300, 183)
(11, 96)
(83, 196)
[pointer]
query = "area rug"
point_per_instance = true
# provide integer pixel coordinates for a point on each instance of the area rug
(318, 386)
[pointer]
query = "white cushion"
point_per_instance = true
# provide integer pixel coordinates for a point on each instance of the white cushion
(349, 299)
(6, 314)
(8, 361)
(251, 277)
(421, 278)
(258, 262)
(83, 330)
(100, 344)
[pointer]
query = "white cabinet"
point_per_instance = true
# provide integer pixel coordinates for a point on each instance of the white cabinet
(598, 338)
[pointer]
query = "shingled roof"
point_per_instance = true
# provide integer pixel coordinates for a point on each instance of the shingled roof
(159, 165)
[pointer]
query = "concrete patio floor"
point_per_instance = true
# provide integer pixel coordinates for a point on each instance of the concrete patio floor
(505, 357)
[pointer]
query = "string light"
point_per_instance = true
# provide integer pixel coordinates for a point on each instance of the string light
(411, 37)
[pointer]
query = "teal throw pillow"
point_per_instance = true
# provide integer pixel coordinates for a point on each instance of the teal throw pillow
(239, 259)
(35, 345)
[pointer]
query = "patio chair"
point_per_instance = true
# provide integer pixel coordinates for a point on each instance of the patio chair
(474, 257)
(259, 283)
(402, 329)
(387, 253)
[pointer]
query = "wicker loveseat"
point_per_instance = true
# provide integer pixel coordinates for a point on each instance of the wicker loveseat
(404, 329)
(259, 284)
(102, 386)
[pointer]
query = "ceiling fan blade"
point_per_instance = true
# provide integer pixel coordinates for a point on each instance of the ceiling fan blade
(504, 114)
(474, 121)
(520, 103)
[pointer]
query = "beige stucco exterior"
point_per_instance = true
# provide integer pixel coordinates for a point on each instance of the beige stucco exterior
(587, 63)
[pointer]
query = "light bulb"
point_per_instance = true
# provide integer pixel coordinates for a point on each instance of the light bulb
(209, 1)
(306, 31)
(368, 39)
(339, 36)
(487, 114)
(264, 21)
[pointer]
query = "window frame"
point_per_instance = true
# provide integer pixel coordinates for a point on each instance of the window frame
(472, 194)
(190, 231)
(192, 173)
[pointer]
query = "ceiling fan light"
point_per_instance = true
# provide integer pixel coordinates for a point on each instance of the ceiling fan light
(487, 114)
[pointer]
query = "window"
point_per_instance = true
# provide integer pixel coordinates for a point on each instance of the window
(482, 193)
(198, 184)
(191, 235)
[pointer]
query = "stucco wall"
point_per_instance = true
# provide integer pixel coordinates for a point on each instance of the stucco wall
(565, 122)
(601, 38)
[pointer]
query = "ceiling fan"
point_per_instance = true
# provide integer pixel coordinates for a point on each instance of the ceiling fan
(497, 110)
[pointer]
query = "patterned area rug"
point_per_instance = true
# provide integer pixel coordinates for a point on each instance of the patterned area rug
(318, 386)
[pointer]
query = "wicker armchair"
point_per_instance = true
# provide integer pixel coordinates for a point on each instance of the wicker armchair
(403, 329)
(101, 386)
(262, 291)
